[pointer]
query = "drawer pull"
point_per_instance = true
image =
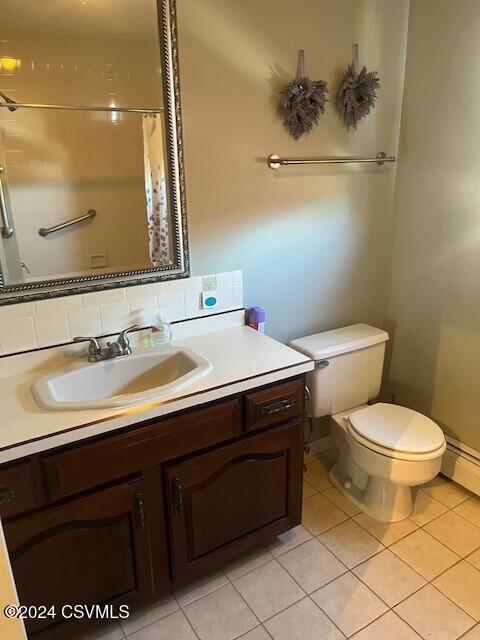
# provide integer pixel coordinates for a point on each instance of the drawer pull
(276, 407)
(7, 495)
(139, 512)
(177, 497)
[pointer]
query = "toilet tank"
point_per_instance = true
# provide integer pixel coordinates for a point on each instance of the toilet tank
(349, 367)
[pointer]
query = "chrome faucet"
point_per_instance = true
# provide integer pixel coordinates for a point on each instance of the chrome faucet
(120, 347)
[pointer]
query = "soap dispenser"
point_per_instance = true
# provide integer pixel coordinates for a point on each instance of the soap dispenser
(161, 330)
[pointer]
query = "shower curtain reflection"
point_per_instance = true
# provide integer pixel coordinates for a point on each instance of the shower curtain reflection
(156, 190)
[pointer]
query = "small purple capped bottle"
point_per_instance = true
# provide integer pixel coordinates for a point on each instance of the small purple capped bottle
(256, 319)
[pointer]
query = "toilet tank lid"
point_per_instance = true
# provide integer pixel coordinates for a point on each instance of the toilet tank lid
(327, 344)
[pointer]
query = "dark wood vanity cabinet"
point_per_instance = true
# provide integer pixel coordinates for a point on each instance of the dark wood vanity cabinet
(92, 550)
(127, 517)
(227, 500)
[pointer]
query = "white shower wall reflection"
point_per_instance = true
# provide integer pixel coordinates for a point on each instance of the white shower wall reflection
(59, 164)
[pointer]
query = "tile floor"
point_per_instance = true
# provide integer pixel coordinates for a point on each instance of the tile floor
(339, 574)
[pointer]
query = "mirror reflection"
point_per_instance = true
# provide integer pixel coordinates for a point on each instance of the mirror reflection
(84, 191)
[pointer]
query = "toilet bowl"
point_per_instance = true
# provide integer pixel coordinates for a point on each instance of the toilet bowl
(384, 449)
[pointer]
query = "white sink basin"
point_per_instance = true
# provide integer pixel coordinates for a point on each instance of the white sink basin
(135, 379)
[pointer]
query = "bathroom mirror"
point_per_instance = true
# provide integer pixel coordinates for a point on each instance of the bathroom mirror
(91, 173)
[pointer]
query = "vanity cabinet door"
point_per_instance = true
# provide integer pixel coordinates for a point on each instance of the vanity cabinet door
(88, 551)
(223, 502)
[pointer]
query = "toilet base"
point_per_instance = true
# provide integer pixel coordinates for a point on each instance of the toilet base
(380, 499)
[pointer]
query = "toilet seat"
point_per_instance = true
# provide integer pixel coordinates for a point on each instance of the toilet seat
(409, 436)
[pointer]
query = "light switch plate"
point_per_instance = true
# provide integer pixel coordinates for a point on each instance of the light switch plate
(209, 283)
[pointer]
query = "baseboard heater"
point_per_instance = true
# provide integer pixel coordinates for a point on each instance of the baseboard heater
(462, 466)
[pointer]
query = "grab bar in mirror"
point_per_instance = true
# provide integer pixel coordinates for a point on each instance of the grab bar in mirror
(275, 162)
(7, 229)
(71, 107)
(44, 232)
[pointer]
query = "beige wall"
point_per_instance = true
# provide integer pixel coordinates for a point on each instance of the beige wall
(313, 243)
(435, 301)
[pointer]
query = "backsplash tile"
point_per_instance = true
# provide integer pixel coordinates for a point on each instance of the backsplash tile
(145, 291)
(22, 310)
(192, 303)
(186, 284)
(16, 334)
(224, 278)
(142, 308)
(51, 328)
(173, 306)
(57, 304)
(58, 320)
(114, 316)
(237, 294)
(84, 322)
(103, 297)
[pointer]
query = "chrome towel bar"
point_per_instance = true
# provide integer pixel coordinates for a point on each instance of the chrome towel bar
(13, 106)
(275, 162)
(44, 232)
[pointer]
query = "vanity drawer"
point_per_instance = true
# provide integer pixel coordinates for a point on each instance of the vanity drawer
(91, 464)
(19, 489)
(274, 405)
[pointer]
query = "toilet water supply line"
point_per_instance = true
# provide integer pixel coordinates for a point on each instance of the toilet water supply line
(319, 364)
(308, 439)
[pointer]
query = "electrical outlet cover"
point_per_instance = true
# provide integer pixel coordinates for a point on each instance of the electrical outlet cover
(98, 260)
(209, 283)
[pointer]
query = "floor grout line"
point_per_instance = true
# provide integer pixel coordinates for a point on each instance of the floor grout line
(150, 623)
(308, 595)
(455, 603)
(428, 582)
(241, 596)
(316, 536)
(305, 594)
(408, 624)
(460, 515)
(467, 631)
(254, 568)
(182, 609)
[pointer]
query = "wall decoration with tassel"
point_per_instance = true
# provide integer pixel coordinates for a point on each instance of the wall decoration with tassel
(303, 101)
(358, 92)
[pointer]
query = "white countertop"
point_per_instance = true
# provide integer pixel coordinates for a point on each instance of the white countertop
(241, 357)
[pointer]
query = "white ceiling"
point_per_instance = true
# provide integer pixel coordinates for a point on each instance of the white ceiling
(133, 19)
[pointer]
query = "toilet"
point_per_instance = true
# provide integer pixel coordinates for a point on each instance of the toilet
(384, 449)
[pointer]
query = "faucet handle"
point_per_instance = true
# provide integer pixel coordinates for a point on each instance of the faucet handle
(94, 348)
(123, 340)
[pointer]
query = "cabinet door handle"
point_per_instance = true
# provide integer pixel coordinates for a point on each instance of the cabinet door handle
(177, 497)
(276, 407)
(139, 512)
(6, 495)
